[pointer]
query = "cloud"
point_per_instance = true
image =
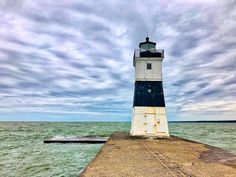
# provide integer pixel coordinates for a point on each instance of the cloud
(75, 57)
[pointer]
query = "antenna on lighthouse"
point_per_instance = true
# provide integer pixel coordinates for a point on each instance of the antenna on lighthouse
(147, 38)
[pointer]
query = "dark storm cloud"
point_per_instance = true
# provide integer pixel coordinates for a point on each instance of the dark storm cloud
(75, 57)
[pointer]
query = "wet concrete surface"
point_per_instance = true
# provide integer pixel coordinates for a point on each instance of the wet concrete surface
(125, 156)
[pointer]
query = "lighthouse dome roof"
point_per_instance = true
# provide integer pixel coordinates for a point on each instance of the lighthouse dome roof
(147, 45)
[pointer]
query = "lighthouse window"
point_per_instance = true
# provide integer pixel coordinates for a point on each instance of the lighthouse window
(149, 65)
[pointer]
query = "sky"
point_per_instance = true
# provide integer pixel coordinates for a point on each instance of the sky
(71, 60)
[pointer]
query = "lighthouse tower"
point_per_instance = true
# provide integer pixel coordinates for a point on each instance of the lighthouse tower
(149, 112)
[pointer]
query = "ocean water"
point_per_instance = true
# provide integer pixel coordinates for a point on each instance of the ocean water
(23, 153)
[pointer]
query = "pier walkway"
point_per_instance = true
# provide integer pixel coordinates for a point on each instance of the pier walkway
(123, 156)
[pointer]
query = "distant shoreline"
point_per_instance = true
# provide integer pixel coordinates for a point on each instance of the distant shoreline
(205, 121)
(199, 121)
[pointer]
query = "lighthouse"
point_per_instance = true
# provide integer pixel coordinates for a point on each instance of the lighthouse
(149, 117)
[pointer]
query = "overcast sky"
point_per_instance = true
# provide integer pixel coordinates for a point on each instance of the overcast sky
(71, 60)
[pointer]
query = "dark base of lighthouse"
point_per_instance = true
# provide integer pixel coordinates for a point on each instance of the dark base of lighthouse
(149, 93)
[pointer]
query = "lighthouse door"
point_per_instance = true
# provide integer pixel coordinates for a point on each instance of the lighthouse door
(150, 126)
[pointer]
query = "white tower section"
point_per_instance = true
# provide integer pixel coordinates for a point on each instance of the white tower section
(149, 113)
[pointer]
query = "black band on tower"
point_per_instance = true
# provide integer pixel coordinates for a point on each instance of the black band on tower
(149, 93)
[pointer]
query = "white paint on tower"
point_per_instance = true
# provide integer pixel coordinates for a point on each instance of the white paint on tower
(149, 113)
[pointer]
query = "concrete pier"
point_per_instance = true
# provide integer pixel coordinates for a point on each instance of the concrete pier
(124, 156)
(85, 140)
